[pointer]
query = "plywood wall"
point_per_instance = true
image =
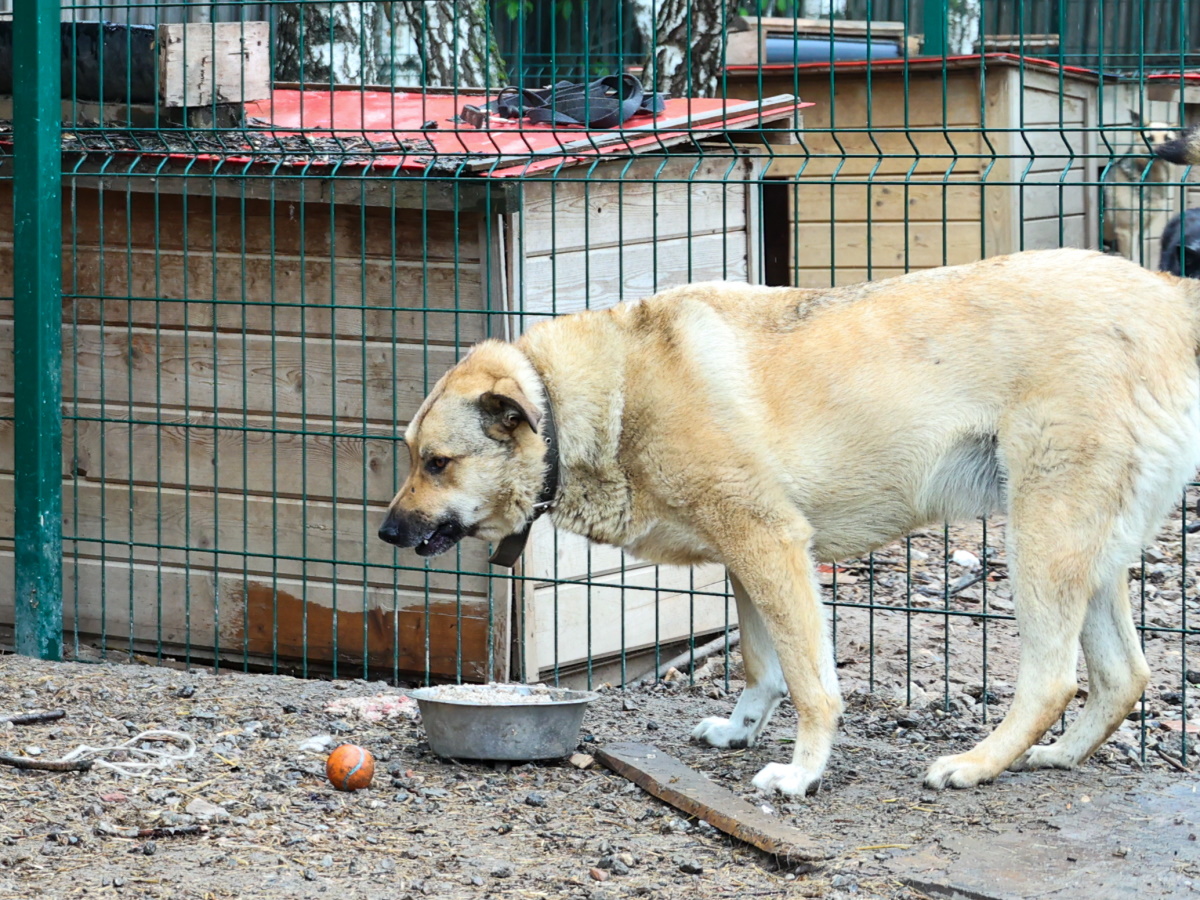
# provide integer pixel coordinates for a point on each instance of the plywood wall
(236, 377)
(895, 175)
(597, 236)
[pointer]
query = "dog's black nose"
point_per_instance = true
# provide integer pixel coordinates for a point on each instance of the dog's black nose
(389, 531)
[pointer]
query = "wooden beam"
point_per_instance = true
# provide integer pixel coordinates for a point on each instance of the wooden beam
(214, 62)
(689, 791)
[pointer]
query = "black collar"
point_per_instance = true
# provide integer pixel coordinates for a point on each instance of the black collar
(509, 550)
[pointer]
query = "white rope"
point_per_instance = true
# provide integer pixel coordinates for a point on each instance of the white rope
(151, 759)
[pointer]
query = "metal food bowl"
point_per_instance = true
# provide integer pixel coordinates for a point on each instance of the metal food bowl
(501, 721)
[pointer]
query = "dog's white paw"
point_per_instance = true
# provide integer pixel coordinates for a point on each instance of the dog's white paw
(961, 771)
(718, 732)
(1044, 756)
(787, 778)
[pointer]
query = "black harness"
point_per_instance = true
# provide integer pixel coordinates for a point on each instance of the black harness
(509, 550)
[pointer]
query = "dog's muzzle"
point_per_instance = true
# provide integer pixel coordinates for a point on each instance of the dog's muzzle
(426, 537)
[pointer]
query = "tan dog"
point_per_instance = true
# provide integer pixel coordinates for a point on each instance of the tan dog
(1184, 150)
(764, 428)
(1137, 195)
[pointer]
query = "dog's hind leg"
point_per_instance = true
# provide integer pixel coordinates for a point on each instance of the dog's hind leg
(1061, 525)
(1117, 674)
(764, 689)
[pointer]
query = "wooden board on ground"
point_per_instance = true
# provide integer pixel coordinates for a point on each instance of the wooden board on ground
(689, 791)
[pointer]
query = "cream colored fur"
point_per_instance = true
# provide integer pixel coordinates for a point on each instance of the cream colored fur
(766, 428)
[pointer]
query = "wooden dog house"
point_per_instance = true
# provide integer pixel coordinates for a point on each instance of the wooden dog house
(910, 165)
(245, 338)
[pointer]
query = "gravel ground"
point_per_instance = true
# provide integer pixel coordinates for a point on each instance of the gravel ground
(258, 818)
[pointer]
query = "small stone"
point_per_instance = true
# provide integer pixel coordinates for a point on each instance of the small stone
(628, 705)
(504, 870)
(476, 880)
(33, 751)
(535, 799)
(1193, 676)
(185, 692)
(598, 874)
(965, 558)
(1153, 554)
(841, 881)
(626, 859)
(326, 861)
(118, 882)
(691, 867)
(582, 760)
(205, 811)
(310, 875)
(149, 848)
(652, 725)
(1173, 697)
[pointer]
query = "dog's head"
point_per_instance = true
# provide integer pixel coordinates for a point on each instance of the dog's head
(1154, 134)
(476, 462)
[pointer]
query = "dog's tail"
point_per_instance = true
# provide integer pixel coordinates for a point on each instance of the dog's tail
(1184, 150)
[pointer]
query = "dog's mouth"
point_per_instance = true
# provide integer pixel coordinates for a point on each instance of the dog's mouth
(441, 539)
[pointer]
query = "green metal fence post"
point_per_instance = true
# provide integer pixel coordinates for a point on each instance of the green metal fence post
(934, 14)
(37, 314)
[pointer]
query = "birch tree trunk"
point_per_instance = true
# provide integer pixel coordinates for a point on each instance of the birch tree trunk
(441, 42)
(688, 47)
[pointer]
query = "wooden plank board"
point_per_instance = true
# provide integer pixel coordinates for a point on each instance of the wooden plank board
(569, 282)
(925, 200)
(213, 62)
(890, 244)
(268, 619)
(611, 612)
(823, 278)
(853, 101)
(255, 374)
(693, 793)
(1037, 234)
(290, 537)
(185, 451)
(388, 301)
(840, 27)
(166, 449)
(891, 154)
(375, 318)
(632, 201)
(341, 227)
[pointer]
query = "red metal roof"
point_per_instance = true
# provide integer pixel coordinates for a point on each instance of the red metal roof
(506, 147)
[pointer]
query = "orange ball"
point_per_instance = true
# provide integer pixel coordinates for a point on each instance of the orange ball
(350, 767)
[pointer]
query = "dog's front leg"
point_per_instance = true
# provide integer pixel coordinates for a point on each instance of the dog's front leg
(773, 566)
(765, 685)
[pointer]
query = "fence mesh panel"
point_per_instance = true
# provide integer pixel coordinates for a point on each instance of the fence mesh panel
(278, 234)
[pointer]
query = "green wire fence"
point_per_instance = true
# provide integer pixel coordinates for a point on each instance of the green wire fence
(234, 281)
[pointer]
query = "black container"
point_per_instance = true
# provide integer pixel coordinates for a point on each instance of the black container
(124, 53)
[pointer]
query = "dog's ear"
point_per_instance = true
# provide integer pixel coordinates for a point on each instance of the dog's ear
(506, 407)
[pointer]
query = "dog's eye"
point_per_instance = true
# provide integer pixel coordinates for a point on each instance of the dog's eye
(436, 465)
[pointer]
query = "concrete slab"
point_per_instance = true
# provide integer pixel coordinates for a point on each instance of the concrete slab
(1137, 844)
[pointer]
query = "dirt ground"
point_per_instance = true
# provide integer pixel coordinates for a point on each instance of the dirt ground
(269, 825)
